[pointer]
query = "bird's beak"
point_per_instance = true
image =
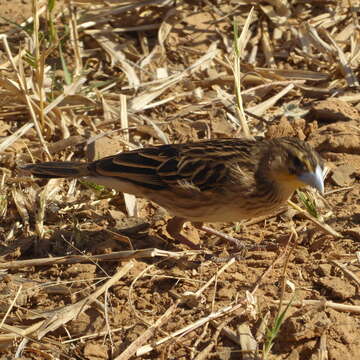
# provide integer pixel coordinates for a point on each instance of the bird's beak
(314, 179)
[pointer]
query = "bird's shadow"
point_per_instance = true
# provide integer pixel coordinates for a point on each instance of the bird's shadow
(74, 241)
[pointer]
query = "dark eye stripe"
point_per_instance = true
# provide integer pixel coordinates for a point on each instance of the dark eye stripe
(295, 148)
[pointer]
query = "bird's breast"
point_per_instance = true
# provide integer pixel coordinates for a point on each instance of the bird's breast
(222, 207)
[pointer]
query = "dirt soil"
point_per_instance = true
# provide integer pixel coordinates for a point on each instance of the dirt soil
(65, 291)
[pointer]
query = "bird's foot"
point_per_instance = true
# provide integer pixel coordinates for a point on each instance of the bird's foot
(238, 243)
(174, 227)
(223, 259)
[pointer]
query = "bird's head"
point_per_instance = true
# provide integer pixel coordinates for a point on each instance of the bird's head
(294, 164)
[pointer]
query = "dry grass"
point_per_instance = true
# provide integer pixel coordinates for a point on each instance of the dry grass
(86, 79)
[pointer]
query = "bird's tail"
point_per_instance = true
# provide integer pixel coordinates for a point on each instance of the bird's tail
(61, 169)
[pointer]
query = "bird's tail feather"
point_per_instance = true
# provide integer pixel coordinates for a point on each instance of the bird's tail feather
(49, 170)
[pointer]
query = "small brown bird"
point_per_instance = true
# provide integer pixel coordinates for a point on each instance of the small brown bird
(221, 180)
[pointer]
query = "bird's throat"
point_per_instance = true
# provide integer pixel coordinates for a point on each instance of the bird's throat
(276, 188)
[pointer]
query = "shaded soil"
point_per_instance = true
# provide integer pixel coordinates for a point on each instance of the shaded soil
(313, 269)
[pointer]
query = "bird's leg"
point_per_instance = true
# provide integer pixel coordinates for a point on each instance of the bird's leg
(174, 226)
(209, 230)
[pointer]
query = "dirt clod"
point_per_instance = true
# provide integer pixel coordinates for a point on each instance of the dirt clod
(342, 175)
(333, 110)
(95, 351)
(92, 78)
(338, 138)
(337, 288)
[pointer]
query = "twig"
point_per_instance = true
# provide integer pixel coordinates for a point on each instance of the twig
(213, 316)
(93, 336)
(11, 306)
(134, 346)
(204, 354)
(323, 352)
(346, 271)
(324, 304)
(322, 226)
(25, 94)
(191, 327)
(71, 259)
(208, 283)
(59, 317)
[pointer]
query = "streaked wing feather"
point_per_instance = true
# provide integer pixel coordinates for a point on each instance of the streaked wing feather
(203, 165)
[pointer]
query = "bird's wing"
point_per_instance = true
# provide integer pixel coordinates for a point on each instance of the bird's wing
(202, 165)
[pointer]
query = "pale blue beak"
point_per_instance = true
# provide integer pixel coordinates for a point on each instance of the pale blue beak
(314, 179)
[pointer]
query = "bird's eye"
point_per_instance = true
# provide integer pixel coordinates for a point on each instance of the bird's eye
(297, 162)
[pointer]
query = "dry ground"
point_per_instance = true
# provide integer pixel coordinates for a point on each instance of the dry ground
(122, 74)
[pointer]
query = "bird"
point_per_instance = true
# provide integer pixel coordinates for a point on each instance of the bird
(219, 180)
